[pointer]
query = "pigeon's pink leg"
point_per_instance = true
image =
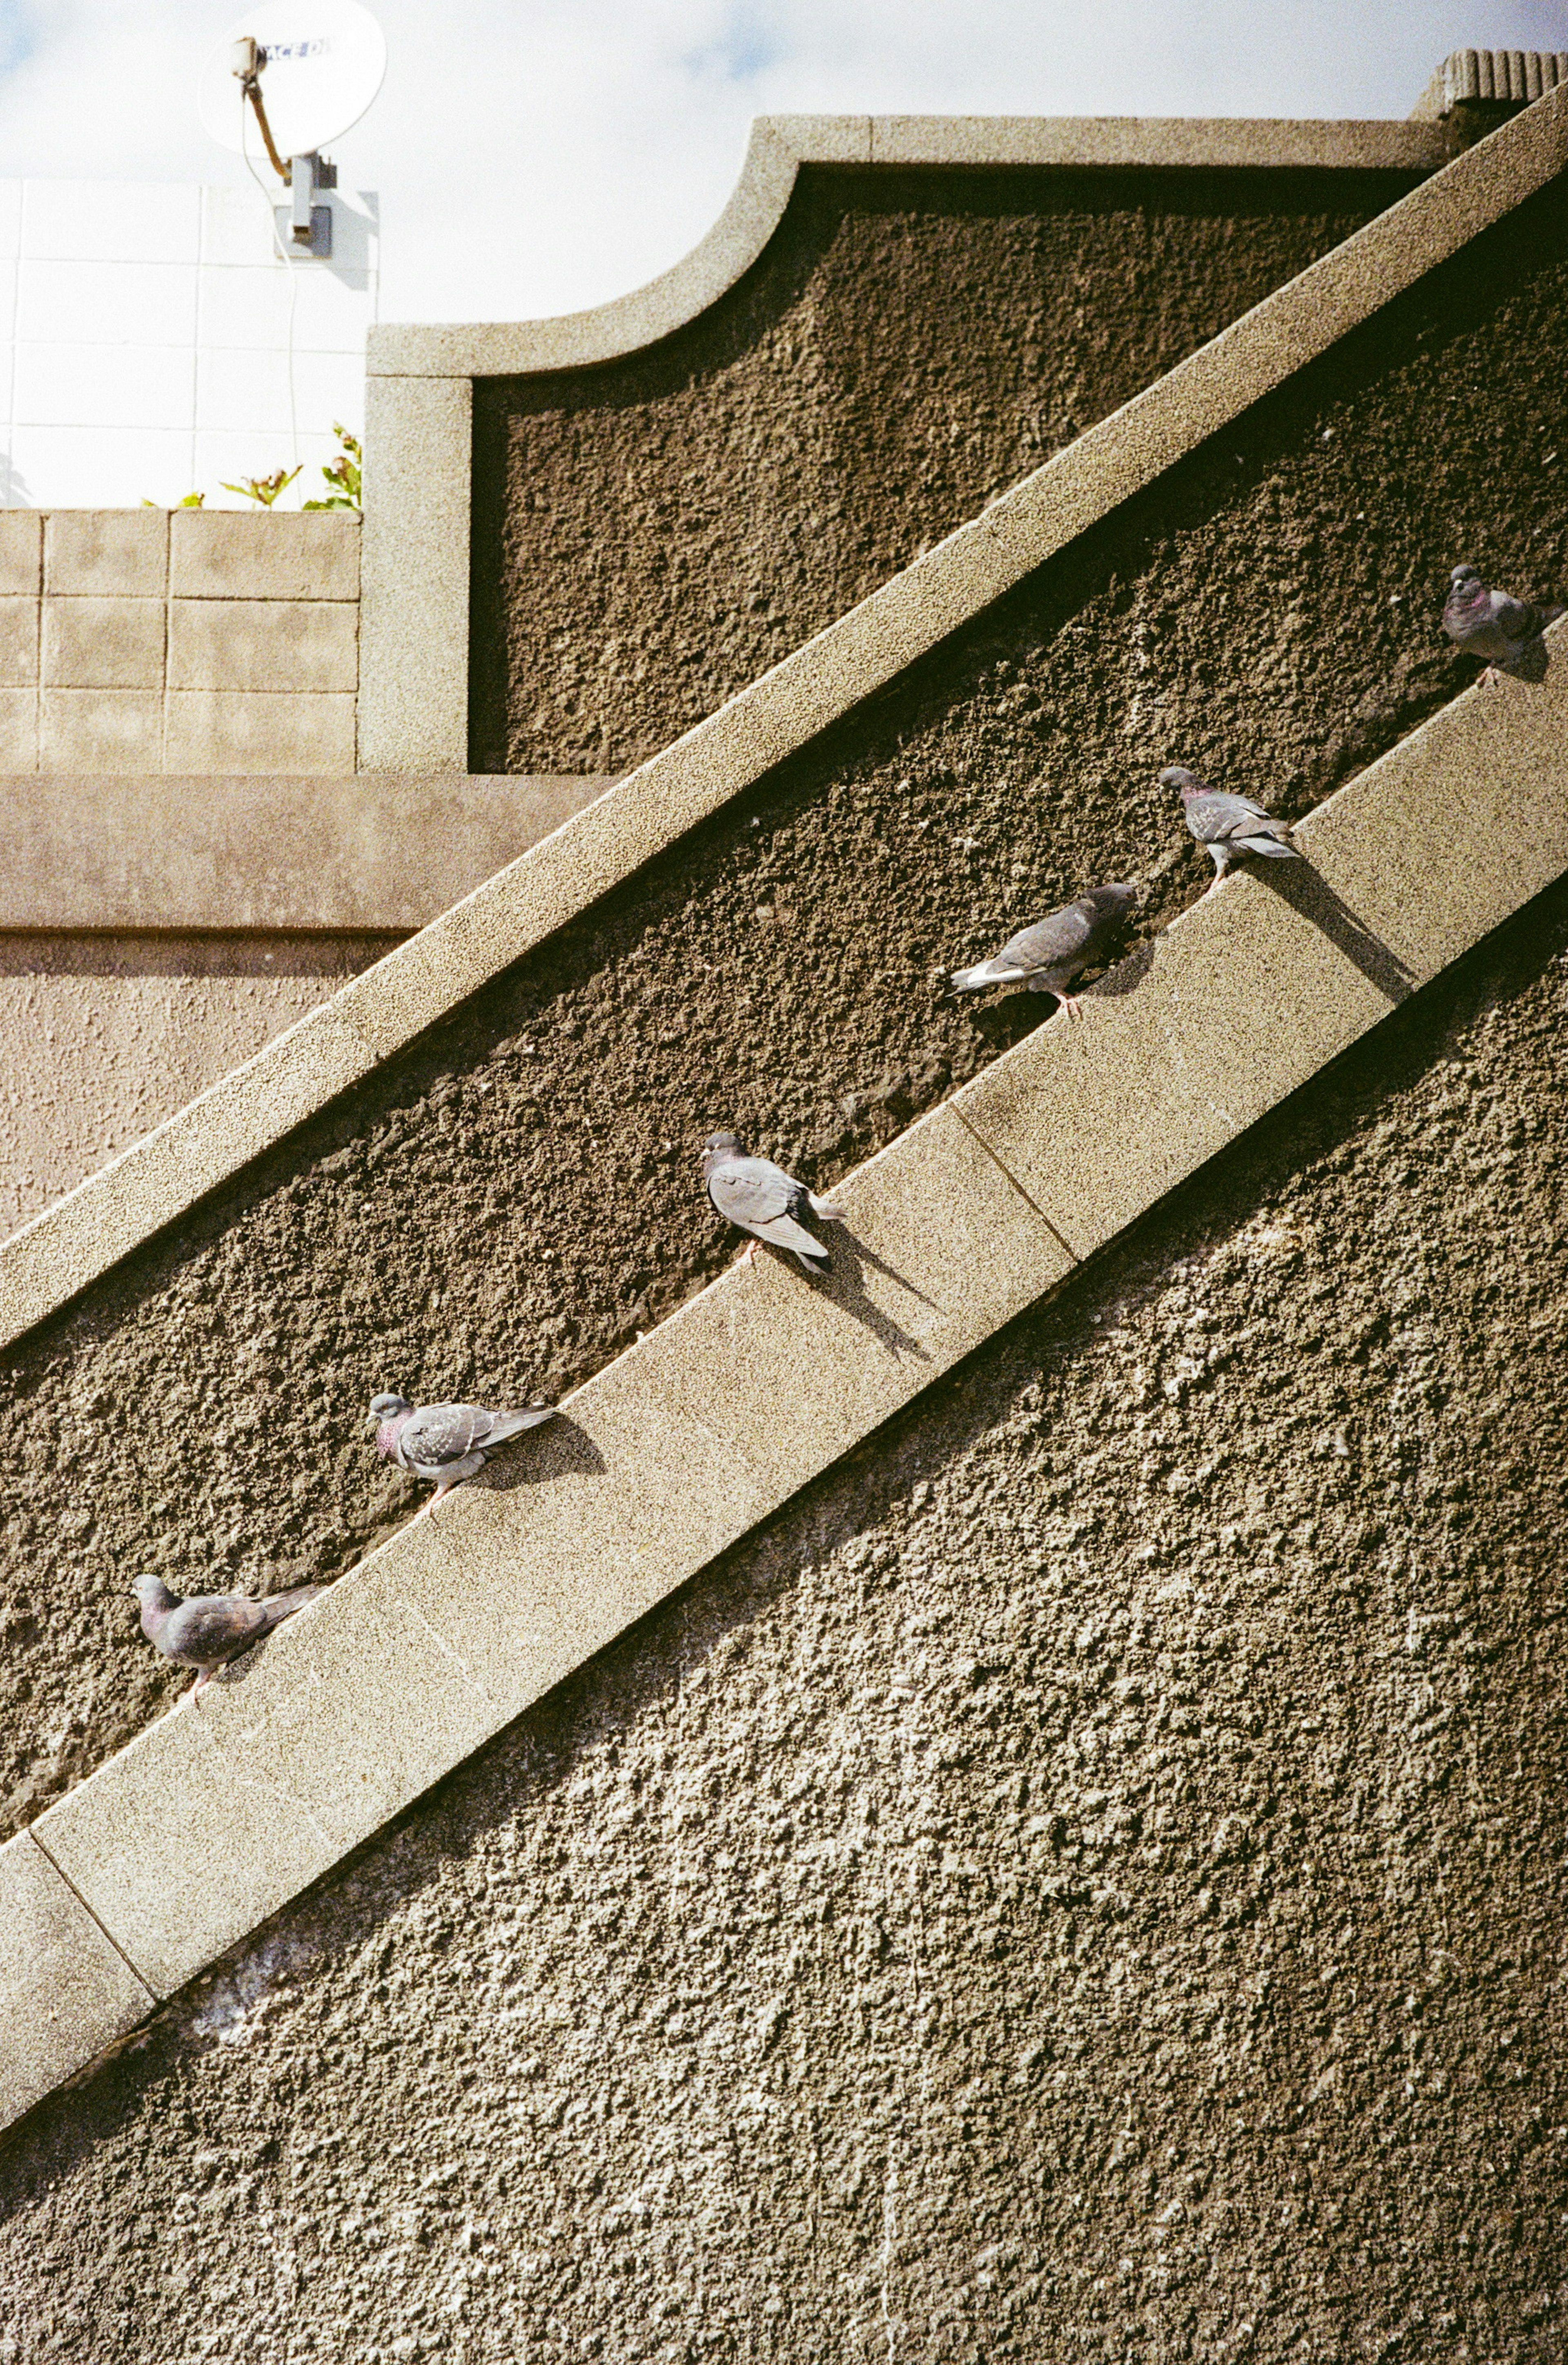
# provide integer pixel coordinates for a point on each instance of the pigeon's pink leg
(200, 1685)
(1071, 1004)
(748, 1255)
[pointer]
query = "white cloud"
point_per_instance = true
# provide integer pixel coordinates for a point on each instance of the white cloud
(539, 157)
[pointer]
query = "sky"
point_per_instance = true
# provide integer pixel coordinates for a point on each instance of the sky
(537, 156)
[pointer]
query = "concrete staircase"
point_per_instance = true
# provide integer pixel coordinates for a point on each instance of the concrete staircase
(162, 1860)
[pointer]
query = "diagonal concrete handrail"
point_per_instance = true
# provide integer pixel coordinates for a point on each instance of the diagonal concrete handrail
(126, 1203)
(215, 1816)
(413, 708)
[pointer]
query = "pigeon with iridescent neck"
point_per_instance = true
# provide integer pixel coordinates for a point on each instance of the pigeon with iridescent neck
(208, 1629)
(445, 1442)
(1228, 827)
(1492, 624)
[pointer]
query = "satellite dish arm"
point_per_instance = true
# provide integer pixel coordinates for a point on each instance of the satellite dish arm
(249, 60)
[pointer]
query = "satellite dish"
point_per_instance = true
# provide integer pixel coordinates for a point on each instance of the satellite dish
(317, 66)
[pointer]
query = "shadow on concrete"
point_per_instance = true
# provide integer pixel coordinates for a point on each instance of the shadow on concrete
(1307, 892)
(559, 1448)
(851, 1262)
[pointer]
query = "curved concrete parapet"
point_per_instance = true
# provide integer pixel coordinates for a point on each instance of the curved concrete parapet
(215, 1817)
(127, 1201)
(782, 144)
(414, 710)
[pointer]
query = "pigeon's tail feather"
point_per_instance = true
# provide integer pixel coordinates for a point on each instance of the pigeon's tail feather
(279, 1606)
(1274, 846)
(984, 973)
(825, 1210)
(512, 1424)
(784, 1232)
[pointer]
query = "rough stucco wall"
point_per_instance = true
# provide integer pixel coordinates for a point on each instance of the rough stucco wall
(504, 1205)
(1085, 1882)
(651, 536)
(102, 1037)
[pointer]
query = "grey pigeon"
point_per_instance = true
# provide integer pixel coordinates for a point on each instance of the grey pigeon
(1491, 624)
(1047, 957)
(759, 1197)
(1228, 826)
(209, 1629)
(445, 1442)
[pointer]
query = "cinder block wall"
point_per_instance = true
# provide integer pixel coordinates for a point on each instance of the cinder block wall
(183, 640)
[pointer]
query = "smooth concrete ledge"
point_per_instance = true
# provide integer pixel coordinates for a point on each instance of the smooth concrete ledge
(288, 855)
(127, 1202)
(413, 709)
(184, 1843)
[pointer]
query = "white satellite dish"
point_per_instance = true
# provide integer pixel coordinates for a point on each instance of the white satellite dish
(317, 65)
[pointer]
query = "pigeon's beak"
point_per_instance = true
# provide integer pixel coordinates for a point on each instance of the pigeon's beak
(372, 1422)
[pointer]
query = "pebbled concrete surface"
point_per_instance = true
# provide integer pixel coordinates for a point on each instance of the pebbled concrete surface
(503, 1207)
(651, 534)
(1085, 1881)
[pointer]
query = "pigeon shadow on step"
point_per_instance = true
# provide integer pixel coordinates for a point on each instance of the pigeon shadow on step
(557, 1449)
(1127, 975)
(851, 1259)
(1307, 892)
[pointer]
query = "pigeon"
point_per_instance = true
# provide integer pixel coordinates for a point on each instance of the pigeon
(1229, 827)
(1490, 625)
(214, 1628)
(1047, 957)
(448, 1442)
(757, 1196)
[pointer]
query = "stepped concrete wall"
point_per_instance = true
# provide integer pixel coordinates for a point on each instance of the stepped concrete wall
(652, 532)
(1085, 1879)
(154, 933)
(500, 1208)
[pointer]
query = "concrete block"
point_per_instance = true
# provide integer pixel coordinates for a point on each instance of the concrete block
(1178, 1051)
(21, 553)
(274, 555)
(64, 1992)
(93, 643)
(109, 554)
(19, 731)
(175, 1888)
(561, 1545)
(413, 709)
(940, 1247)
(260, 731)
(271, 645)
(1426, 852)
(127, 1200)
(101, 731)
(19, 644)
(286, 853)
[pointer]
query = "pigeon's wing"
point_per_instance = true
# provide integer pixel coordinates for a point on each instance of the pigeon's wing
(1048, 944)
(210, 1627)
(438, 1435)
(1217, 816)
(1518, 619)
(752, 1192)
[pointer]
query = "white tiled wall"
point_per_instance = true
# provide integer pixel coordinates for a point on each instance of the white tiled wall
(144, 342)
